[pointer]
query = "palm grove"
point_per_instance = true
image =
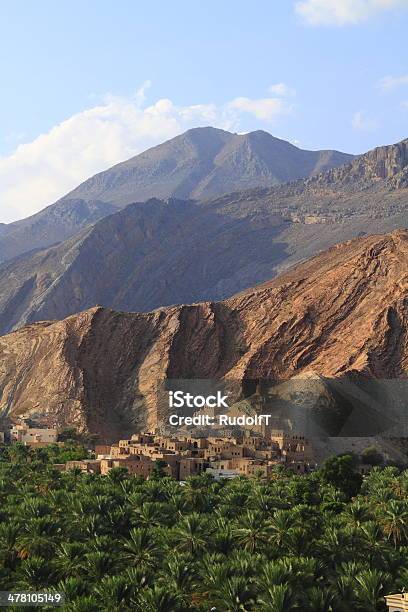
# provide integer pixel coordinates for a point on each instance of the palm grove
(329, 541)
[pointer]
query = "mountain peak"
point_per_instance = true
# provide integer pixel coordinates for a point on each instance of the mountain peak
(262, 134)
(205, 129)
(208, 168)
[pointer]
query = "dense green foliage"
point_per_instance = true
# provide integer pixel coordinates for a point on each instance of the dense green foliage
(52, 453)
(118, 543)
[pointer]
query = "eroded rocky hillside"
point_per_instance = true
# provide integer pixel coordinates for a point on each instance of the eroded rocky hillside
(344, 311)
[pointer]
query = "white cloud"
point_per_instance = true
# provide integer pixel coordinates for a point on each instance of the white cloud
(39, 172)
(265, 109)
(282, 90)
(361, 121)
(388, 83)
(344, 12)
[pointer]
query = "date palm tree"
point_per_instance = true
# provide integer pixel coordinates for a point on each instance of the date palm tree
(158, 599)
(344, 594)
(233, 502)
(9, 533)
(395, 522)
(92, 524)
(372, 542)
(140, 549)
(38, 538)
(371, 586)
(223, 537)
(191, 534)
(278, 527)
(251, 532)
(357, 514)
(34, 573)
(118, 520)
(72, 587)
(180, 572)
(114, 593)
(212, 570)
(19, 453)
(278, 598)
(334, 545)
(148, 515)
(298, 540)
(319, 599)
(198, 494)
(88, 603)
(303, 572)
(235, 595)
(99, 564)
(68, 559)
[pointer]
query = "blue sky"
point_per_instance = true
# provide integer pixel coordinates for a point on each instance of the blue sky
(87, 84)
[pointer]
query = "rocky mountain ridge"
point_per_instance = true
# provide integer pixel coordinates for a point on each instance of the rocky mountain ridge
(204, 163)
(387, 163)
(201, 163)
(160, 253)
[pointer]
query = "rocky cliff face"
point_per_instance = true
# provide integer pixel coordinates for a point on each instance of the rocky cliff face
(387, 163)
(344, 311)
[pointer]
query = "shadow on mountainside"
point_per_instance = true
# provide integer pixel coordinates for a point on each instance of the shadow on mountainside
(141, 258)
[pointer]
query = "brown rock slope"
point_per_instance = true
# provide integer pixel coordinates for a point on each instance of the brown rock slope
(343, 311)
